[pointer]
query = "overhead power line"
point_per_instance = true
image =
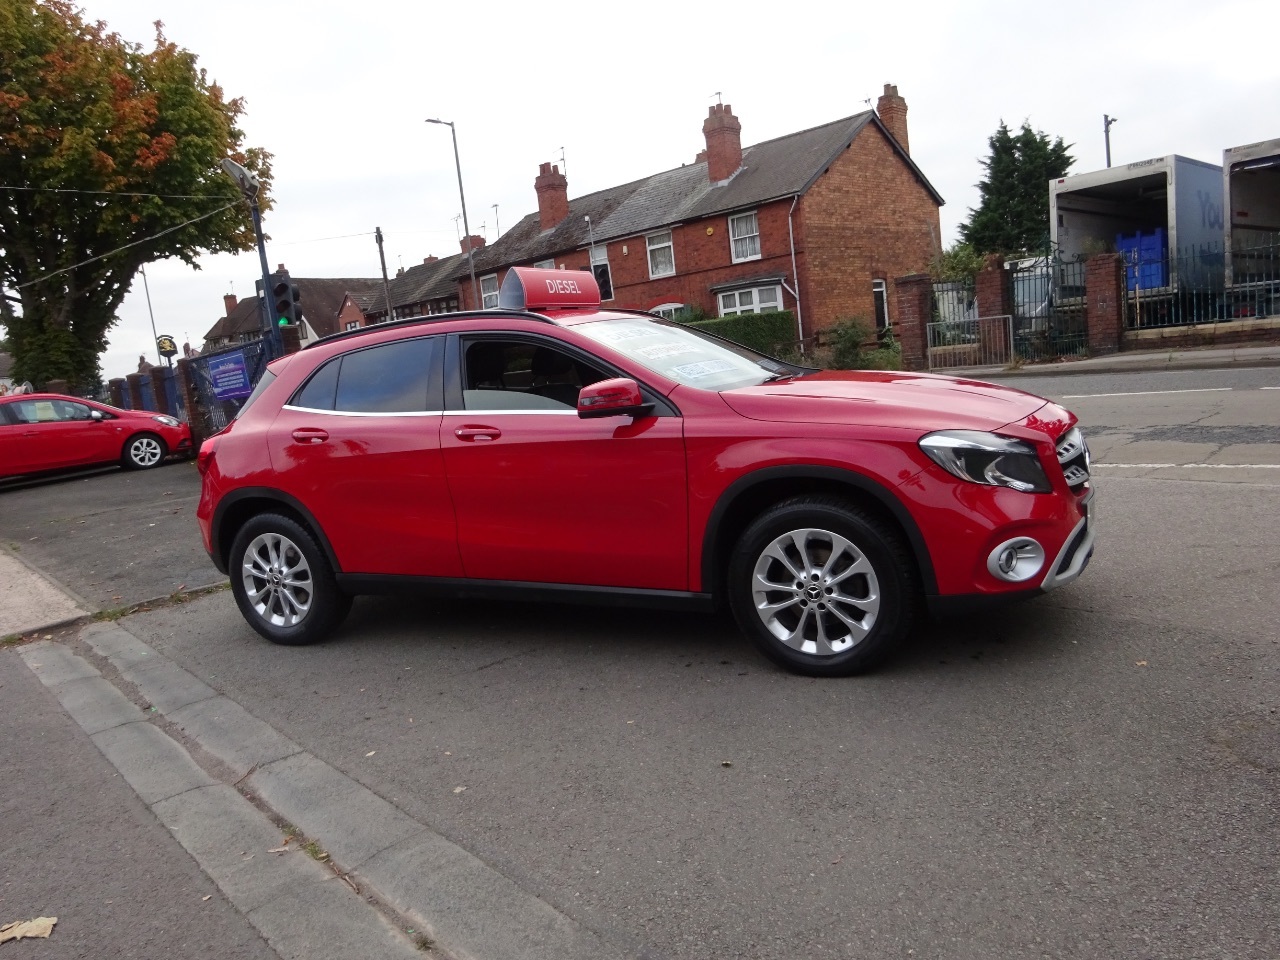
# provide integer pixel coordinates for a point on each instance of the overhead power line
(111, 253)
(119, 193)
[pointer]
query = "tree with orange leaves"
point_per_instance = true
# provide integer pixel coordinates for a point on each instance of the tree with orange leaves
(109, 160)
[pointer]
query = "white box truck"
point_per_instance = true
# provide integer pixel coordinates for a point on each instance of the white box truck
(1251, 241)
(1164, 214)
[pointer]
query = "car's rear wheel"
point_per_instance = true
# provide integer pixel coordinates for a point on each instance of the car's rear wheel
(283, 582)
(822, 586)
(143, 452)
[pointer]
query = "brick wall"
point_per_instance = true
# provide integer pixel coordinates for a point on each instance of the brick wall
(1105, 293)
(350, 313)
(912, 314)
(868, 217)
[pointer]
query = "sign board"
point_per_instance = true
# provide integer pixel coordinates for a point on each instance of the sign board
(533, 288)
(166, 346)
(230, 376)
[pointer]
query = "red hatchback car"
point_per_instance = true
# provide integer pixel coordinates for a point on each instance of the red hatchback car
(550, 449)
(46, 431)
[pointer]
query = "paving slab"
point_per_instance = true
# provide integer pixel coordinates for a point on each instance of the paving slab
(320, 923)
(55, 664)
(154, 764)
(119, 646)
(233, 735)
(97, 705)
(165, 685)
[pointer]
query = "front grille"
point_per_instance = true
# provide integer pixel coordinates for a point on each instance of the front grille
(1073, 456)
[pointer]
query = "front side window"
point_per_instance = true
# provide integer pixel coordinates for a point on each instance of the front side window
(752, 300)
(489, 291)
(683, 354)
(744, 237)
(662, 258)
(390, 378)
(48, 411)
(519, 375)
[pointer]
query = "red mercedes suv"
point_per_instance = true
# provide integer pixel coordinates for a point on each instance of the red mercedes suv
(551, 449)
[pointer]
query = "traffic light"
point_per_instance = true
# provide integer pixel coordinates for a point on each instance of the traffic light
(285, 299)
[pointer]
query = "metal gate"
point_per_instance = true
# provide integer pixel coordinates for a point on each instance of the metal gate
(223, 381)
(1048, 298)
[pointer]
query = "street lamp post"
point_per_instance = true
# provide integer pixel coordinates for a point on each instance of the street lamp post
(1107, 121)
(248, 184)
(471, 262)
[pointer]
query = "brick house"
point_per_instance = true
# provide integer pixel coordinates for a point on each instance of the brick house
(322, 301)
(425, 289)
(819, 222)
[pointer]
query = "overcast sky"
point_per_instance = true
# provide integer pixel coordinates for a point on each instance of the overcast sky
(339, 94)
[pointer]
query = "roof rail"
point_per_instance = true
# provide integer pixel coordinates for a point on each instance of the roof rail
(432, 318)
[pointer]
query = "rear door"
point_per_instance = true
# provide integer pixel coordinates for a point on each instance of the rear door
(359, 446)
(547, 497)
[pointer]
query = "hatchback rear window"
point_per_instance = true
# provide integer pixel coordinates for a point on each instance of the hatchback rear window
(390, 378)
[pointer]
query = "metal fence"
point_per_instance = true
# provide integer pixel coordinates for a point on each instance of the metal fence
(976, 342)
(223, 381)
(1202, 285)
(1048, 297)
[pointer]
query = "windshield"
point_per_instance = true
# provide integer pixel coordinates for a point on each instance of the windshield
(685, 355)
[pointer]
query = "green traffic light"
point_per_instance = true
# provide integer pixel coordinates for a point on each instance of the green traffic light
(283, 322)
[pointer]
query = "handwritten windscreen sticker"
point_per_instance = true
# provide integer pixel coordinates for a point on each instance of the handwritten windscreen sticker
(629, 333)
(660, 350)
(704, 368)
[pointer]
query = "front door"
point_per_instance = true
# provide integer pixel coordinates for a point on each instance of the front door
(544, 496)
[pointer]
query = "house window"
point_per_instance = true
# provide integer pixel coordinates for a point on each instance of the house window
(667, 311)
(353, 325)
(546, 264)
(881, 297)
(744, 236)
(600, 268)
(751, 300)
(662, 258)
(489, 291)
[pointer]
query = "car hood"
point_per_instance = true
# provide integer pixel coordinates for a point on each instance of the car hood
(885, 398)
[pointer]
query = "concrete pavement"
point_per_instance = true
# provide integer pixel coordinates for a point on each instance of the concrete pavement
(29, 600)
(1145, 361)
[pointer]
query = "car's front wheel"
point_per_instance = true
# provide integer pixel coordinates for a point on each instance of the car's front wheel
(143, 452)
(822, 586)
(283, 582)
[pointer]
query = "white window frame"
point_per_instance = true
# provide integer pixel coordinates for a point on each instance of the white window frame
(549, 264)
(352, 325)
(488, 299)
(881, 287)
(734, 236)
(599, 256)
(668, 311)
(651, 246)
(755, 306)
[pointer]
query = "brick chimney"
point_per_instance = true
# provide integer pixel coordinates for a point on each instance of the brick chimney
(431, 259)
(477, 243)
(553, 195)
(229, 302)
(893, 114)
(724, 142)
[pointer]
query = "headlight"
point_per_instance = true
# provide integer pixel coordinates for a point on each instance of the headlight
(167, 421)
(987, 458)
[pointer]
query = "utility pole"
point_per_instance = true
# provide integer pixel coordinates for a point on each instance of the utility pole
(386, 287)
(248, 184)
(1106, 133)
(155, 337)
(497, 230)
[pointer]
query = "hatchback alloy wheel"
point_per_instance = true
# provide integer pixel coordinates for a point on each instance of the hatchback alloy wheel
(143, 452)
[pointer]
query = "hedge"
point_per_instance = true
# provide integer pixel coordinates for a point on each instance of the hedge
(768, 333)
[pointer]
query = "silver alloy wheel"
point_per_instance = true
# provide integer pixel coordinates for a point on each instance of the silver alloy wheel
(145, 452)
(815, 591)
(277, 580)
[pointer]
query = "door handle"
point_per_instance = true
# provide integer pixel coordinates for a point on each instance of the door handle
(477, 433)
(310, 435)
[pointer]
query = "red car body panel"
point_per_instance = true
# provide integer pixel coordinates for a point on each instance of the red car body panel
(27, 448)
(630, 502)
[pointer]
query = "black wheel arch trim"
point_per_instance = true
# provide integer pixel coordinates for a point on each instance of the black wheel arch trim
(218, 552)
(885, 497)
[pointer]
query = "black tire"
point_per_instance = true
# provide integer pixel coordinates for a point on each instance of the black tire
(272, 608)
(143, 451)
(821, 604)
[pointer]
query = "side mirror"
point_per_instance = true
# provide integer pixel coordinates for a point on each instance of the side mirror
(96, 415)
(619, 397)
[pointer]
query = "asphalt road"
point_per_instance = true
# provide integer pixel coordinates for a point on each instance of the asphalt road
(112, 537)
(1092, 774)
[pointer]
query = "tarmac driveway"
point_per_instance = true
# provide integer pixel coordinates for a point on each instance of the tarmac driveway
(111, 537)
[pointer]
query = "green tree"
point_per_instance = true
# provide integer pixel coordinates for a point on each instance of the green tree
(1013, 215)
(86, 119)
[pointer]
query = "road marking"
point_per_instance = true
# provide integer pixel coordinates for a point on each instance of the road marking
(1269, 388)
(1148, 393)
(1192, 466)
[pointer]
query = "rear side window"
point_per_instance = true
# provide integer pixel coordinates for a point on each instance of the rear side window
(392, 378)
(267, 377)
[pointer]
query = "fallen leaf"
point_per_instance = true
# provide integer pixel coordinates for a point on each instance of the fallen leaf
(630, 721)
(726, 763)
(206, 897)
(371, 753)
(458, 789)
(27, 929)
(278, 850)
(1141, 663)
(448, 754)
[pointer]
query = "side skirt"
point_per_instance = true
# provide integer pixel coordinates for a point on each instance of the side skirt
(463, 589)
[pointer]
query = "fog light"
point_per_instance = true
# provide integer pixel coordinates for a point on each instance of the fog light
(1016, 560)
